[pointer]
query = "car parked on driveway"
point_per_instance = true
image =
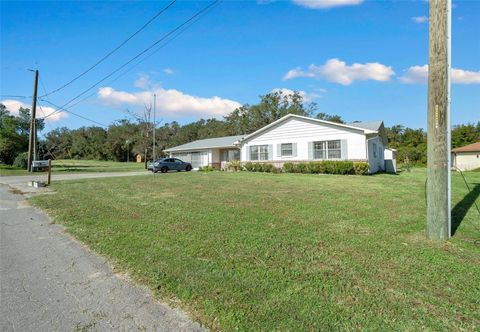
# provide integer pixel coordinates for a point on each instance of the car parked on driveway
(171, 164)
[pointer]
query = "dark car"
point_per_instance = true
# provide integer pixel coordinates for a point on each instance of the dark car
(171, 164)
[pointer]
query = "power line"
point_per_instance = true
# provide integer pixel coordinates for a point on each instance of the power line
(13, 96)
(200, 12)
(146, 57)
(61, 109)
(112, 51)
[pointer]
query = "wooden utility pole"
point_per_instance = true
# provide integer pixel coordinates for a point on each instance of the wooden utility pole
(438, 132)
(154, 124)
(32, 142)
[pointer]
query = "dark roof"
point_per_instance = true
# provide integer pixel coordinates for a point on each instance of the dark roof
(475, 147)
(209, 143)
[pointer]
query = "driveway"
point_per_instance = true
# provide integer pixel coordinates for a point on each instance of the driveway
(50, 282)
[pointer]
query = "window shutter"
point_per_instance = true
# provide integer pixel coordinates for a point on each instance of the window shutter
(270, 151)
(249, 153)
(310, 150)
(279, 150)
(294, 149)
(344, 147)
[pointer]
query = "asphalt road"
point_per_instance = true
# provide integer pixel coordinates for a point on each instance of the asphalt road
(50, 282)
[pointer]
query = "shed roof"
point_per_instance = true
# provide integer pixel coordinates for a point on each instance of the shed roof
(208, 143)
(475, 147)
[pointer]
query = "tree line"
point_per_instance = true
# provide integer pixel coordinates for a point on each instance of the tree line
(126, 138)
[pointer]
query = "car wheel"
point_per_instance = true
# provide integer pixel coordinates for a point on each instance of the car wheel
(164, 169)
(188, 168)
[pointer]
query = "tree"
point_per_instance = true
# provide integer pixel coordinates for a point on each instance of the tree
(249, 118)
(331, 118)
(465, 134)
(14, 131)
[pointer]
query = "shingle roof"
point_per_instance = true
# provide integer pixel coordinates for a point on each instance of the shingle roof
(370, 125)
(209, 143)
(475, 147)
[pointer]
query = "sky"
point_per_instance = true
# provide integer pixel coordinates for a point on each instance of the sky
(362, 60)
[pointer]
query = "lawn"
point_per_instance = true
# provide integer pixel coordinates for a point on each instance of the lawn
(77, 166)
(250, 251)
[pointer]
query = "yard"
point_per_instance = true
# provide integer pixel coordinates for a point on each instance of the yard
(69, 166)
(256, 251)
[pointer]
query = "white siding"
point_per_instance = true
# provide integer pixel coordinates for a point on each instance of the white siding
(302, 132)
(376, 155)
(466, 161)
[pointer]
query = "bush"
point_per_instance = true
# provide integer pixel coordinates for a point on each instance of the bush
(234, 165)
(289, 167)
(21, 160)
(206, 169)
(327, 167)
(360, 168)
(260, 167)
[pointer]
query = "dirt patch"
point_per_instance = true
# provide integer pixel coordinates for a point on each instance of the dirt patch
(16, 191)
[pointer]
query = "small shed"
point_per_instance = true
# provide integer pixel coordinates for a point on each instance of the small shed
(467, 157)
(138, 158)
(390, 160)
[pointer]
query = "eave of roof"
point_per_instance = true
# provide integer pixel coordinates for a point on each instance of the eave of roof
(474, 147)
(288, 116)
(208, 143)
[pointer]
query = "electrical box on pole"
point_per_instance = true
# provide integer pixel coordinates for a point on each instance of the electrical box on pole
(438, 130)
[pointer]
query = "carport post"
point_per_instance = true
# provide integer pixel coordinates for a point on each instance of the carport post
(438, 131)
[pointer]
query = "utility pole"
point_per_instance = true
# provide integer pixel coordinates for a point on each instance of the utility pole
(154, 124)
(32, 142)
(438, 132)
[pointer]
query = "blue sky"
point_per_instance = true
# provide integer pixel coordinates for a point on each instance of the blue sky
(364, 60)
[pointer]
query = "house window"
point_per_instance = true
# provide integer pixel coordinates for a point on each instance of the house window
(374, 150)
(334, 149)
(327, 149)
(286, 149)
(259, 152)
(320, 150)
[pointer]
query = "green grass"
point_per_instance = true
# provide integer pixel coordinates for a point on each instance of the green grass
(262, 252)
(79, 166)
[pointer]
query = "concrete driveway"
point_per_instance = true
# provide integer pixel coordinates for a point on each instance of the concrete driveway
(50, 282)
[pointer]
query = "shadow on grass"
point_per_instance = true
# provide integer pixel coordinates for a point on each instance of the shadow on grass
(461, 208)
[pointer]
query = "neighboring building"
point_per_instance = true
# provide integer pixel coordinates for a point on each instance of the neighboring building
(292, 138)
(467, 157)
(138, 158)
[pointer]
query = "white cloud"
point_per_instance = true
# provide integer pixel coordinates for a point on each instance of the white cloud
(14, 105)
(419, 74)
(420, 19)
(168, 71)
(323, 4)
(307, 97)
(143, 82)
(170, 102)
(337, 71)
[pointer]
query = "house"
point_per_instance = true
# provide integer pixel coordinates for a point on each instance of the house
(466, 157)
(292, 138)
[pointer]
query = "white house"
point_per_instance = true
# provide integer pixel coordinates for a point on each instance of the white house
(466, 157)
(292, 138)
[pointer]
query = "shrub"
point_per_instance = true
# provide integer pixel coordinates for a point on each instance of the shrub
(360, 168)
(289, 167)
(234, 165)
(267, 168)
(248, 167)
(259, 167)
(21, 160)
(327, 167)
(206, 169)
